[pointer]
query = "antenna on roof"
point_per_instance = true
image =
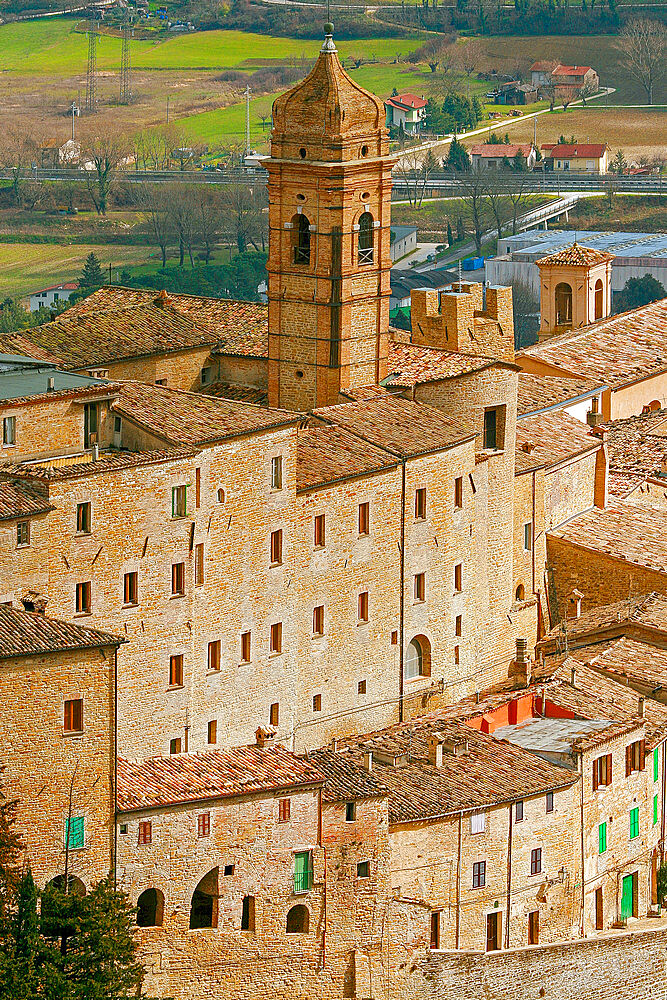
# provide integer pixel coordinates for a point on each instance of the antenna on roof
(459, 274)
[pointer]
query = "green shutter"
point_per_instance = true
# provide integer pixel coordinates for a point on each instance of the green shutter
(627, 896)
(634, 823)
(602, 837)
(74, 831)
(303, 874)
(655, 764)
(655, 809)
(173, 501)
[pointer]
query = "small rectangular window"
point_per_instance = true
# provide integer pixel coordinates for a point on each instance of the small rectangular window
(197, 487)
(23, 533)
(303, 871)
(317, 703)
(528, 536)
(490, 429)
(602, 838)
(458, 492)
(214, 654)
(277, 473)
(203, 824)
(318, 620)
(83, 518)
(363, 869)
(635, 757)
(536, 861)
(284, 809)
(319, 536)
(420, 504)
(364, 519)
(131, 588)
(478, 822)
(457, 654)
(458, 625)
(74, 832)
(206, 377)
(228, 870)
(362, 606)
(350, 812)
(656, 764)
(178, 501)
(420, 586)
(178, 579)
(145, 832)
(73, 716)
(518, 811)
(212, 733)
(634, 823)
(175, 745)
(245, 647)
(176, 670)
(123, 828)
(655, 809)
(601, 771)
(479, 874)
(458, 578)
(9, 430)
(276, 547)
(276, 637)
(550, 802)
(435, 929)
(361, 687)
(274, 714)
(199, 564)
(83, 598)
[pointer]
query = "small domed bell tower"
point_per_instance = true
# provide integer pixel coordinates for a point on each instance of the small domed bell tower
(329, 259)
(575, 289)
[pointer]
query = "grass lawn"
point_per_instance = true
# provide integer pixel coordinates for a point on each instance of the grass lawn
(25, 267)
(639, 213)
(431, 219)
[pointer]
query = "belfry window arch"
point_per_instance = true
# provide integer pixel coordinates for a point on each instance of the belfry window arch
(301, 238)
(563, 302)
(599, 299)
(366, 228)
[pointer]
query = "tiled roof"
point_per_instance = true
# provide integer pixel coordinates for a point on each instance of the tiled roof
(640, 615)
(556, 436)
(618, 350)
(22, 499)
(412, 364)
(622, 484)
(233, 390)
(578, 152)
(344, 779)
(490, 773)
(576, 256)
(327, 454)
(537, 393)
(237, 327)
(398, 425)
(190, 418)
(108, 461)
(25, 633)
(17, 343)
(571, 70)
(165, 781)
(494, 149)
(543, 66)
(627, 530)
(407, 101)
(638, 444)
(630, 661)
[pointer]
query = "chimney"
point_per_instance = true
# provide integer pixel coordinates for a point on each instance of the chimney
(162, 299)
(573, 676)
(575, 604)
(368, 760)
(334, 745)
(520, 666)
(528, 447)
(264, 735)
(50, 384)
(640, 707)
(96, 453)
(435, 747)
(594, 416)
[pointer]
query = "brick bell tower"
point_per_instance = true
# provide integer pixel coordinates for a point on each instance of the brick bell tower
(329, 260)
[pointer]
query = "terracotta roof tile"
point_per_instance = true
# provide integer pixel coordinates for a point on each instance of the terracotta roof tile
(577, 151)
(494, 149)
(81, 466)
(17, 343)
(412, 364)
(189, 418)
(327, 454)
(618, 350)
(634, 616)
(627, 530)
(344, 779)
(22, 499)
(537, 393)
(25, 633)
(638, 444)
(165, 781)
(556, 437)
(576, 255)
(233, 390)
(398, 425)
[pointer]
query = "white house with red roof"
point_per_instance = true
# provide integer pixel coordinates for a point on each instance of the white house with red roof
(590, 157)
(492, 155)
(52, 293)
(406, 110)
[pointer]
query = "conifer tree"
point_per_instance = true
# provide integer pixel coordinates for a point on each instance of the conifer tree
(92, 275)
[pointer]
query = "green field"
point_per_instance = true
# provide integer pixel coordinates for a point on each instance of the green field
(25, 267)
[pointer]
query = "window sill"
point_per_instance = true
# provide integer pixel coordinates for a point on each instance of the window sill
(244, 663)
(212, 670)
(366, 534)
(421, 600)
(275, 565)
(419, 520)
(275, 652)
(82, 534)
(317, 635)
(419, 677)
(82, 614)
(362, 622)
(24, 545)
(132, 604)
(173, 597)
(175, 687)
(319, 548)
(72, 732)
(178, 517)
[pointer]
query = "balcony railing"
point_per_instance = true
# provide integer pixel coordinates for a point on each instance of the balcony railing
(303, 881)
(366, 255)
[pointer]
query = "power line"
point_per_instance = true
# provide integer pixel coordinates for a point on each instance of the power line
(91, 72)
(125, 64)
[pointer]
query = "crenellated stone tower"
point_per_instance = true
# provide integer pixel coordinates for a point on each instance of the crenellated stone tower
(329, 260)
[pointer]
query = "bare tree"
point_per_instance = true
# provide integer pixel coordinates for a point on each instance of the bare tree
(244, 216)
(472, 187)
(526, 314)
(18, 152)
(643, 45)
(586, 91)
(182, 211)
(518, 188)
(415, 167)
(209, 222)
(496, 191)
(153, 201)
(102, 155)
(470, 55)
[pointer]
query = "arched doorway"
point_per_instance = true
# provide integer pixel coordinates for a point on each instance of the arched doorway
(150, 908)
(599, 299)
(563, 301)
(520, 594)
(298, 919)
(204, 905)
(418, 658)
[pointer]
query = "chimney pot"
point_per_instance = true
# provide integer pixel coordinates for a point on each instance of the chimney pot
(573, 676)
(368, 760)
(640, 708)
(521, 650)
(96, 452)
(50, 384)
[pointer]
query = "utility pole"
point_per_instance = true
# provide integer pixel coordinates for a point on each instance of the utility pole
(247, 119)
(125, 65)
(91, 73)
(168, 109)
(74, 111)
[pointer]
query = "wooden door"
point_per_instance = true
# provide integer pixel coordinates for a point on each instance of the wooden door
(534, 927)
(599, 910)
(492, 931)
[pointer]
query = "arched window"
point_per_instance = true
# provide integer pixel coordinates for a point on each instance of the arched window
(150, 908)
(520, 592)
(204, 905)
(563, 304)
(599, 299)
(301, 239)
(248, 914)
(418, 658)
(366, 238)
(298, 920)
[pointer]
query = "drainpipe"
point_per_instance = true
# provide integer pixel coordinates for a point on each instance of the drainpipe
(402, 598)
(115, 764)
(583, 868)
(458, 885)
(534, 537)
(509, 875)
(324, 931)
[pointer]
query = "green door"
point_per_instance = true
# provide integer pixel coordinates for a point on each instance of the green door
(626, 898)
(303, 871)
